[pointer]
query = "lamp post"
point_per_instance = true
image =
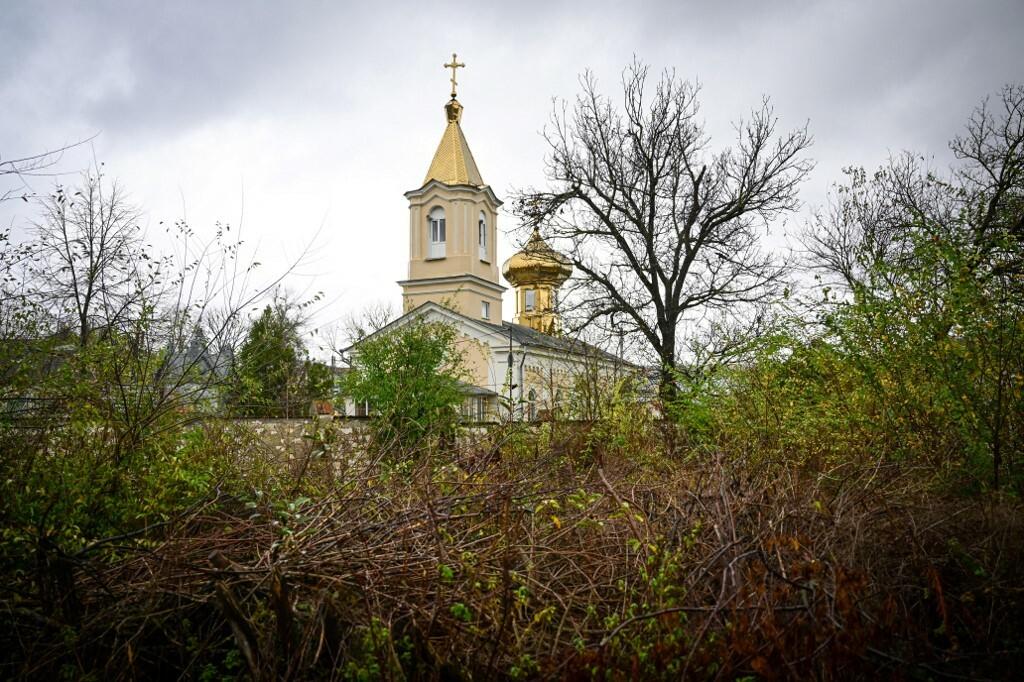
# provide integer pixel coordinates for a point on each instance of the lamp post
(511, 409)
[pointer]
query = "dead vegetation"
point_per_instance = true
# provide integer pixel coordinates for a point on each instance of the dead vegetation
(514, 561)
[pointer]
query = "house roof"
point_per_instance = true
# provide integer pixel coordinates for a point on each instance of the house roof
(528, 336)
(472, 390)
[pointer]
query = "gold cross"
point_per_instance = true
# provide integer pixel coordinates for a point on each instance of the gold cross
(454, 65)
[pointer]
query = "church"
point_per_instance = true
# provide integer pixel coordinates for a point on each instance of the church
(526, 365)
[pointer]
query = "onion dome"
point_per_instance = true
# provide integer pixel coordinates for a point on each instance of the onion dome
(537, 263)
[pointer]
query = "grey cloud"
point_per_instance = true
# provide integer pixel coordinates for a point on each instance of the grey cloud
(342, 101)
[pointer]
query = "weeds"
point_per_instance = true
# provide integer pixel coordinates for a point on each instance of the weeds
(522, 566)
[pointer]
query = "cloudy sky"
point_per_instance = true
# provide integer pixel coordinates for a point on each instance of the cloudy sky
(306, 121)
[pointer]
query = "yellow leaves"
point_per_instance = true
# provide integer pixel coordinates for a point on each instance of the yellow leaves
(556, 522)
(544, 615)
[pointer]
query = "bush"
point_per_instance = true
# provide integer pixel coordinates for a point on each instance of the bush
(410, 376)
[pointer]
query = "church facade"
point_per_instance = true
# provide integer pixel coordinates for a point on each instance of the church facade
(526, 366)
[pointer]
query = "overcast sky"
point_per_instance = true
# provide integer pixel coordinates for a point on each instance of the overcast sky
(315, 117)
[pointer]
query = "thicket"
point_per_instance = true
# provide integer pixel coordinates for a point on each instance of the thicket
(543, 552)
(910, 348)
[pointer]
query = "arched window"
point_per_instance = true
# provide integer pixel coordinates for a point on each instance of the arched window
(530, 300)
(531, 405)
(481, 229)
(436, 233)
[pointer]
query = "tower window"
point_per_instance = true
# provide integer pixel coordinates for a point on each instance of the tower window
(485, 310)
(482, 236)
(436, 230)
(530, 302)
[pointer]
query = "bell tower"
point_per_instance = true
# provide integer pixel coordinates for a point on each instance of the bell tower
(453, 228)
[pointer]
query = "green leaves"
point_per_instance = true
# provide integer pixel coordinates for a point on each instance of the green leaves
(410, 378)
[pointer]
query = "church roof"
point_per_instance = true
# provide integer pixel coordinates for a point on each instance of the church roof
(453, 163)
(527, 336)
(521, 335)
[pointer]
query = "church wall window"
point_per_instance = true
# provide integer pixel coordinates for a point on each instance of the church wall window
(482, 236)
(531, 405)
(485, 310)
(436, 232)
(530, 300)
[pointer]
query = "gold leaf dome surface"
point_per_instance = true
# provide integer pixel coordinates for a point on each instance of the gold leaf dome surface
(453, 163)
(537, 263)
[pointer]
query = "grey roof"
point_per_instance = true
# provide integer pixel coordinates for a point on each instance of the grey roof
(470, 389)
(521, 334)
(528, 336)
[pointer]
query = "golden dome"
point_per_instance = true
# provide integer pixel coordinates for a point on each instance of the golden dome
(537, 263)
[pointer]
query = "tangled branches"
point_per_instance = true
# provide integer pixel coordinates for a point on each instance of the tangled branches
(532, 565)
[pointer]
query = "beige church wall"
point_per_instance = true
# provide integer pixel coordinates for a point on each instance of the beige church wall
(477, 359)
(462, 207)
(547, 382)
(463, 298)
(556, 378)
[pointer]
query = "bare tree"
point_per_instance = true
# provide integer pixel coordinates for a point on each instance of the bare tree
(866, 240)
(91, 260)
(660, 229)
(23, 169)
(372, 318)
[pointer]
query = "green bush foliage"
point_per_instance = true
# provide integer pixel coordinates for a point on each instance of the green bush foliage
(410, 377)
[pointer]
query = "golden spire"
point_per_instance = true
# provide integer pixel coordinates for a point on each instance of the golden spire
(453, 163)
(455, 64)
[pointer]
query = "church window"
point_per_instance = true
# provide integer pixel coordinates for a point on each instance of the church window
(530, 301)
(485, 310)
(531, 405)
(437, 233)
(482, 236)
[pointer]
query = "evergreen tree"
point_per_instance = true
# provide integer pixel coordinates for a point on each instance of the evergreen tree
(268, 372)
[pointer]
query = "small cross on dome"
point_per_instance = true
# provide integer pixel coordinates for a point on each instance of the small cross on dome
(455, 64)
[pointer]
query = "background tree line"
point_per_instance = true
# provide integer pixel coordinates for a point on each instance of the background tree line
(910, 337)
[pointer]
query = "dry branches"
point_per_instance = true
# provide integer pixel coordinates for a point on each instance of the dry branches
(525, 567)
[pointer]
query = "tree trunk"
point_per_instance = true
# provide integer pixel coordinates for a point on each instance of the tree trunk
(668, 391)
